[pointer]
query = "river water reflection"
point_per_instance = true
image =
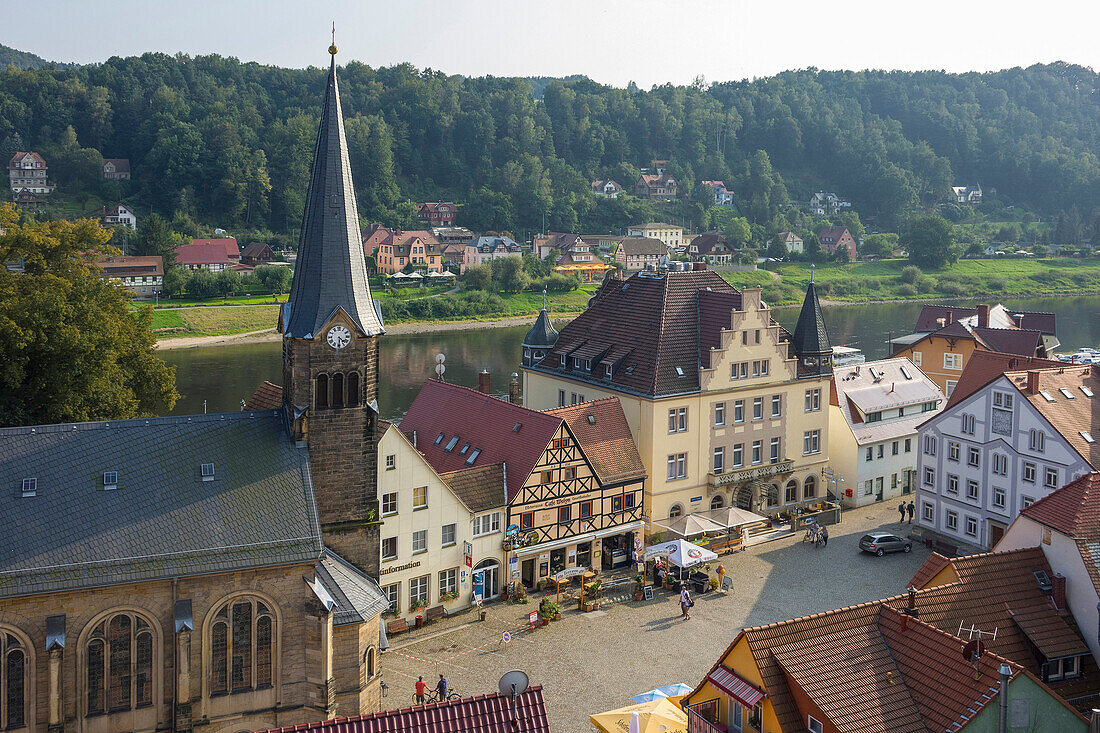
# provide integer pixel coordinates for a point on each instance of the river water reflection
(224, 375)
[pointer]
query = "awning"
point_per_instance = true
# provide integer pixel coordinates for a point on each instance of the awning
(681, 553)
(585, 537)
(736, 686)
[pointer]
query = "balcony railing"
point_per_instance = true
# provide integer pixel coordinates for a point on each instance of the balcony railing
(762, 471)
(699, 718)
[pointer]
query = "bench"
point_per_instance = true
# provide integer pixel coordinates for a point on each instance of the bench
(397, 626)
(727, 546)
(435, 613)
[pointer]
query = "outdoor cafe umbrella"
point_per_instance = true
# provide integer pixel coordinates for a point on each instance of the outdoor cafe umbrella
(691, 525)
(398, 274)
(681, 553)
(670, 692)
(658, 716)
(732, 516)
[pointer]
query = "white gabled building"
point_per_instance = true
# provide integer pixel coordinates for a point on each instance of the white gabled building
(1001, 445)
(874, 411)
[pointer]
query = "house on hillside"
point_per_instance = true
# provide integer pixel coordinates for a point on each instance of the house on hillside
(118, 214)
(142, 276)
(670, 234)
(27, 176)
(488, 248)
(655, 186)
(712, 247)
(722, 195)
(116, 169)
(874, 410)
(635, 253)
(577, 259)
(608, 189)
(791, 241)
(257, 253)
(209, 254)
(395, 249)
(834, 238)
(969, 195)
(437, 214)
(827, 203)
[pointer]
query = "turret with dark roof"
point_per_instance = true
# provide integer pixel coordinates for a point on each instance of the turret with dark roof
(331, 272)
(810, 342)
(540, 339)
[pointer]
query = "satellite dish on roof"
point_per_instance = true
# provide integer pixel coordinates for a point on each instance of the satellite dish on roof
(513, 683)
(440, 358)
(973, 650)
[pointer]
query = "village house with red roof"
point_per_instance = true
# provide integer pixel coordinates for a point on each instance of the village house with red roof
(437, 214)
(209, 254)
(833, 238)
(396, 249)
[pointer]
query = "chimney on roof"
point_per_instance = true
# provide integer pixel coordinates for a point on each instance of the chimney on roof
(941, 322)
(1032, 381)
(911, 605)
(698, 266)
(414, 439)
(983, 316)
(483, 381)
(950, 317)
(513, 389)
(1058, 591)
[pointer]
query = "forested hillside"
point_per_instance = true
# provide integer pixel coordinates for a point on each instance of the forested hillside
(229, 143)
(20, 59)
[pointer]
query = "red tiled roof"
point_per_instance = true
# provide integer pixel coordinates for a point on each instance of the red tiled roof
(256, 249)
(123, 266)
(20, 155)
(601, 429)
(1068, 416)
(706, 242)
(486, 423)
(985, 366)
(268, 396)
(999, 316)
(831, 234)
(230, 244)
(652, 325)
(492, 713)
(207, 252)
(1074, 510)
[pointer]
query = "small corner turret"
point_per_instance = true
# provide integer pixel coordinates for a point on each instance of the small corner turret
(810, 342)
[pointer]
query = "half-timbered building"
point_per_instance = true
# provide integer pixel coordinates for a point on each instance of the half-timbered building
(573, 479)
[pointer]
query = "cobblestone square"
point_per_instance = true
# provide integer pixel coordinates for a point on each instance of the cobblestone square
(591, 662)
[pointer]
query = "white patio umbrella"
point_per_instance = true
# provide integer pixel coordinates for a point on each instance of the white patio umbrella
(682, 553)
(732, 516)
(690, 525)
(416, 276)
(398, 274)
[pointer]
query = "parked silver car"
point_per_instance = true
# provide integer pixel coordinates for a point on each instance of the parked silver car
(879, 543)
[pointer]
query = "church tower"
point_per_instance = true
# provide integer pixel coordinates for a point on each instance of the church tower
(331, 327)
(810, 342)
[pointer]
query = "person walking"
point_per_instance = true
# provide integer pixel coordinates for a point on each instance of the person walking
(825, 535)
(685, 601)
(441, 688)
(901, 511)
(911, 508)
(421, 690)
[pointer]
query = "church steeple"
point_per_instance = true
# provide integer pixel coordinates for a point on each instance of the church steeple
(331, 270)
(810, 343)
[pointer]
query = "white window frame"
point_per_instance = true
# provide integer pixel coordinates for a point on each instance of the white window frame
(448, 581)
(971, 527)
(774, 450)
(813, 725)
(719, 459)
(424, 494)
(391, 462)
(928, 511)
(953, 361)
(419, 541)
(396, 548)
(420, 589)
(738, 412)
(443, 541)
(739, 455)
(719, 414)
(396, 506)
(951, 520)
(486, 524)
(811, 442)
(757, 452)
(777, 406)
(1000, 497)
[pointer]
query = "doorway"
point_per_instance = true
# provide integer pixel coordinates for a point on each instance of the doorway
(485, 575)
(527, 573)
(557, 560)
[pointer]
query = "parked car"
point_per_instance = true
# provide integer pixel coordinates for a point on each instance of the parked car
(879, 543)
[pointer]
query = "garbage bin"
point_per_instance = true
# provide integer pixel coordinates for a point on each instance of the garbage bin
(419, 621)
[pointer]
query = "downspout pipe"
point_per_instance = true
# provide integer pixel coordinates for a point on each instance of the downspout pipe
(1006, 673)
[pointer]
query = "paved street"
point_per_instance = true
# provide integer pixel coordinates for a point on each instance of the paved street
(592, 662)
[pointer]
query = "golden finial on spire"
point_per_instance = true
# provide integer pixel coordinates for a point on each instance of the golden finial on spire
(332, 48)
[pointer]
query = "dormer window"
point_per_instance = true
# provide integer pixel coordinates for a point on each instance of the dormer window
(563, 359)
(607, 371)
(207, 471)
(30, 487)
(110, 480)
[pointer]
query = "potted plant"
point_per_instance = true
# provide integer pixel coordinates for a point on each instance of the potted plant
(449, 596)
(754, 720)
(549, 610)
(639, 584)
(713, 583)
(417, 605)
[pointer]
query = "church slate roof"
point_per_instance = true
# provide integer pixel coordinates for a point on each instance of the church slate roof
(163, 520)
(331, 271)
(542, 334)
(810, 334)
(358, 598)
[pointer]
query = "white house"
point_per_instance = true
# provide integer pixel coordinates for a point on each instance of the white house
(119, 214)
(1066, 527)
(722, 195)
(670, 234)
(488, 248)
(1000, 447)
(874, 411)
(435, 528)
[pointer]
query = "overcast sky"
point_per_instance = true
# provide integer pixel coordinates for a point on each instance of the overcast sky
(612, 41)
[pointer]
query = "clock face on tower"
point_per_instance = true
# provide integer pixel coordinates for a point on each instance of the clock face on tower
(339, 337)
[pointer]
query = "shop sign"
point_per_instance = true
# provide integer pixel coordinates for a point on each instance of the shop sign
(569, 573)
(659, 551)
(399, 568)
(557, 501)
(513, 566)
(544, 557)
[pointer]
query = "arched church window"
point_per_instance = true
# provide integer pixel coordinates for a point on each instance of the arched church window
(241, 646)
(13, 670)
(337, 390)
(119, 658)
(322, 390)
(353, 389)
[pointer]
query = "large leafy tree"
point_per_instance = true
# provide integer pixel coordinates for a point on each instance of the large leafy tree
(71, 348)
(931, 241)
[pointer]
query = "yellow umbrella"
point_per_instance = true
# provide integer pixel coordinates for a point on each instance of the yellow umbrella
(658, 716)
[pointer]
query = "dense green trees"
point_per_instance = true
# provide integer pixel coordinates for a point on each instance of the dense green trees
(70, 348)
(931, 242)
(229, 143)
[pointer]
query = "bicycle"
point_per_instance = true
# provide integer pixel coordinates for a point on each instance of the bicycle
(433, 696)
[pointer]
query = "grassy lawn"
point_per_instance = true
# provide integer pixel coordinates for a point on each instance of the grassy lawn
(214, 320)
(865, 281)
(231, 300)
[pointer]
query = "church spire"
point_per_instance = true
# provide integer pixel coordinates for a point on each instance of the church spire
(810, 343)
(331, 270)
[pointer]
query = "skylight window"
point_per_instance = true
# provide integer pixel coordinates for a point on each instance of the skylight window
(1088, 437)
(905, 373)
(517, 427)
(473, 456)
(591, 419)
(451, 444)
(679, 371)
(207, 471)
(439, 438)
(110, 480)
(1043, 578)
(1086, 391)
(30, 487)
(1066, 393)
(1046, 395)
(464, 449)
